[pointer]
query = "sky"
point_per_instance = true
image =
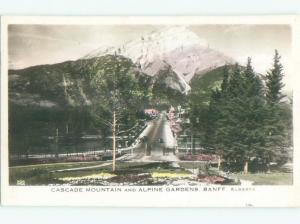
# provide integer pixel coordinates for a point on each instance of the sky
(46, 44)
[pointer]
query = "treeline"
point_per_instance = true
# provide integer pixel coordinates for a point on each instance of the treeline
(246, 122)
(109, 83)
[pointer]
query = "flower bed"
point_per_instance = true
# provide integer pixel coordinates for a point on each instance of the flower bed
(215, 179)
(199, 157)
(92, 176)
(170, 175)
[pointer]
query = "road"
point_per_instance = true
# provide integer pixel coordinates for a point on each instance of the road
(150, 151)
(159, 144)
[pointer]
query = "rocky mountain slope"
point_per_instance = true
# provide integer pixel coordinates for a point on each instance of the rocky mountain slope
(167, 60)
(178, 47)
(64, 84)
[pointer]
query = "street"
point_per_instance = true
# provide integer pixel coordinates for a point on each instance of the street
(159, 143)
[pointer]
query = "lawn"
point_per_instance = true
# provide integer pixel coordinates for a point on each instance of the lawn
(55, 166)
(43, 174)
(274, 178)
(193, 165)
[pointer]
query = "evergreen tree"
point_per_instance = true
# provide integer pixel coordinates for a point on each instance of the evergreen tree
(213, 116)
(274, 81)
(277, 123)
(238, 133)
(276, 135)
(247, 128)
(236, 83)
(253, 83)
(225, 82)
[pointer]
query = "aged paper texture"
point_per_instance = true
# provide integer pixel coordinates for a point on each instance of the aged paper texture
(150, 111)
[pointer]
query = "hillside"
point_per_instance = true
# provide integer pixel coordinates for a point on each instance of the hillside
(203, 84)
(63, 84)
(164, 89)
(65, 97)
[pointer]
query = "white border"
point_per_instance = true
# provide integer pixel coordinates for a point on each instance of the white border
(263, 196)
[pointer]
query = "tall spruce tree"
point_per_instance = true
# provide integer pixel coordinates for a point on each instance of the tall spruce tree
(245, 124)
(277, 126)
(254, 112)
(236, 83)
(238, 115)
(213, 115)
(221, 108)
(274, 81)
(225, 82)
(253, 83)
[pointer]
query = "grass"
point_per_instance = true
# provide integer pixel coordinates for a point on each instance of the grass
(193, 165)
(41, 174)
(56, 166)
(275, 178)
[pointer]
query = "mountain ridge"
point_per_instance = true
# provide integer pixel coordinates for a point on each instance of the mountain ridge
(177, 46)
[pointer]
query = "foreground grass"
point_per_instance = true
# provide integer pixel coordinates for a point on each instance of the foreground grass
(193, 165)
(56, 166)
(276, 178)
(44, 174)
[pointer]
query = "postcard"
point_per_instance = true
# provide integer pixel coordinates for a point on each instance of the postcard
(150, 111)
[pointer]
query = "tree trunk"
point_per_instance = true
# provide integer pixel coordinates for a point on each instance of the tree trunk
(114, 141)
(246, 167)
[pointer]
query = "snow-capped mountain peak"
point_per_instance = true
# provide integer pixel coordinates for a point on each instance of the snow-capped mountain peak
(156, 43)
(174, 46)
